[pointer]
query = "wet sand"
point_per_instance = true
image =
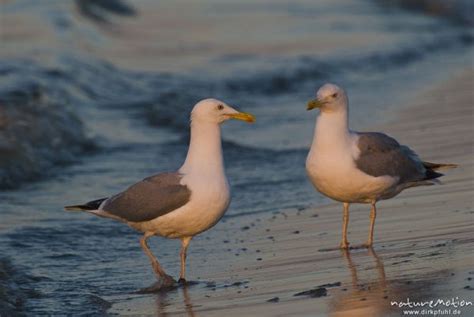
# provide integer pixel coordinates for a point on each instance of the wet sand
(275, 265)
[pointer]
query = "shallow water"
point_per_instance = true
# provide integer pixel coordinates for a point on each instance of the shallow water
(96, 98)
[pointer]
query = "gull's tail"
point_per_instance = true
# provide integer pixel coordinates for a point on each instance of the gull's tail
(438, 166)
(433, 168)
(91, 205)
(431, 175)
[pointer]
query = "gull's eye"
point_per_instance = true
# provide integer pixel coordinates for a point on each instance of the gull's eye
(334, 95)
(220, 107)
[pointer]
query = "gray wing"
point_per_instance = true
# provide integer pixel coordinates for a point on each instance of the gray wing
(382, 155)
(153, 197)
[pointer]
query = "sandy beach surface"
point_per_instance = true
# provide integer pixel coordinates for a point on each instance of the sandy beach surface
(278, 265)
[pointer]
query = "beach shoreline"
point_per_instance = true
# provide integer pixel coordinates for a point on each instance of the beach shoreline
(422, 239)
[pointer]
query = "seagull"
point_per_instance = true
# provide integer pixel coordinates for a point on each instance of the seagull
(359, 167)
(183, 203)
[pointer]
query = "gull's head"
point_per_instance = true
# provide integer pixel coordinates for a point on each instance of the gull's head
(329, 98)
(216, 111)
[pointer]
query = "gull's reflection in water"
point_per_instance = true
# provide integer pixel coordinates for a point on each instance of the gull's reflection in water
(363, 296)
(166, 306)
(187, 302)
(162, 302)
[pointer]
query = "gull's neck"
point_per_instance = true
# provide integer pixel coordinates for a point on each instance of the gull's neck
(331, 129)
(205, 149)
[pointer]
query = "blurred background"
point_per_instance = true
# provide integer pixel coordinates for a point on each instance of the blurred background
(95, 95)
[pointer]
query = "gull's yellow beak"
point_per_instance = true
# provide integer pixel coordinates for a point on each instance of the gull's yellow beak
(247, 117)
(315, 103)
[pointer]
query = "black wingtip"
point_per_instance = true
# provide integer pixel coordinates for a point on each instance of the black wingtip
(91, 205)
(431, 174)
